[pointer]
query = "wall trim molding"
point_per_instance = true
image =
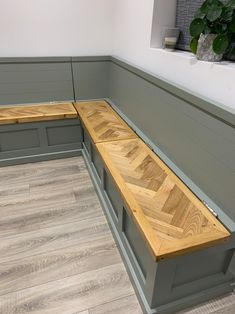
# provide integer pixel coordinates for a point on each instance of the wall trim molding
(217, 110)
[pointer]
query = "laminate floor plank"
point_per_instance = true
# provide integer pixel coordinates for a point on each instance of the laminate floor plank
(50, 266)
(12, 190)
(34, 172)
(71, 294)
(47, 217)
(53, 238)
(36, 200)
(57, 183)
(49, 209)
(220, 305)
(128, 305)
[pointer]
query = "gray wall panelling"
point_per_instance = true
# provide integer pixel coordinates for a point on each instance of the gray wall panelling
(91, 77)
(28, 80)
(28, 142)
(168, 285)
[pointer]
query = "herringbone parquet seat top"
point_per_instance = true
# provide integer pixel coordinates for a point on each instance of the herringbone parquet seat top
(37, 112)
(102, 122)
(171, 218)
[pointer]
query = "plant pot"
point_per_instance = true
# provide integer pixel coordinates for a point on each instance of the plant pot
(204, 49)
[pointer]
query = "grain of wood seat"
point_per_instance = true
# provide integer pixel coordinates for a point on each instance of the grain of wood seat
(102, 122)
(171, 218)
(38, 112)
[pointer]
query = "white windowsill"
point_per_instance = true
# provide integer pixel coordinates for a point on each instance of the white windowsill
(192, 58)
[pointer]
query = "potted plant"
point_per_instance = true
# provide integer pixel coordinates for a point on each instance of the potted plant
(212, 29)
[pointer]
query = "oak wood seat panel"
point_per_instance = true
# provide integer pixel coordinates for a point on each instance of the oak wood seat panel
(171, 218)
(102, 122)
(37, 112)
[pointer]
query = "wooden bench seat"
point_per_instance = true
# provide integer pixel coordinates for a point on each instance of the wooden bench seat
(171, 218)
(37, 112)
(36, 132)
(102, 122)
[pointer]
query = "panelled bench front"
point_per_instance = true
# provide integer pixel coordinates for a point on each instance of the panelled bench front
(38, 132)
(177, 252)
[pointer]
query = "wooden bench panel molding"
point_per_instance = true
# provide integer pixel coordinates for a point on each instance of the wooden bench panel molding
(102, 122)
(36, 112)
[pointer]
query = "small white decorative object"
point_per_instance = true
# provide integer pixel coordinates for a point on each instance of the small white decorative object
(170, 38)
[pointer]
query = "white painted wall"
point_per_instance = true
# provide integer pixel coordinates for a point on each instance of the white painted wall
(165, 17)
(99, 27)
(55, 27)
(132, 34)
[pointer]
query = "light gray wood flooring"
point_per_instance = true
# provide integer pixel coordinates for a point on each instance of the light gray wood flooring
(57, 254)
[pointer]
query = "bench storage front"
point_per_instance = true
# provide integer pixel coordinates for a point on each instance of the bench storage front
(176, 251)
(39, 132)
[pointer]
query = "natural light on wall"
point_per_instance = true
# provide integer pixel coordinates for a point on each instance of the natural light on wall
(164, 15)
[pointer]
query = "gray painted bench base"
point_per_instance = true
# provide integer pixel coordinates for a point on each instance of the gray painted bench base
(38, 141)
(203, 129)
(166, 286)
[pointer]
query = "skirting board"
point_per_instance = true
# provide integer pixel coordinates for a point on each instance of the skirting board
(40, 157)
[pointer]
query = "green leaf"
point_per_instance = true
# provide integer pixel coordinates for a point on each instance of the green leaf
(227, 14)
(232, 25)
(220, 44)
(205, 6)
(231, 4)
(209, 4)
(220, 28)
(214, 12)
(193, 45)
(199, 14)
(196, 27)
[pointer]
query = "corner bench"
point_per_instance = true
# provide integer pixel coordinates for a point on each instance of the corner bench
(36, 132)
(176, 251)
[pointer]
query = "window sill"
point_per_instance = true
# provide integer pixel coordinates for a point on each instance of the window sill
(192, 58)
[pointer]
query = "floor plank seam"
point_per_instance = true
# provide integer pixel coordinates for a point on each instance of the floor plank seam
(115, 299)
(61, 278)
(58, 249)
(49, 227)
